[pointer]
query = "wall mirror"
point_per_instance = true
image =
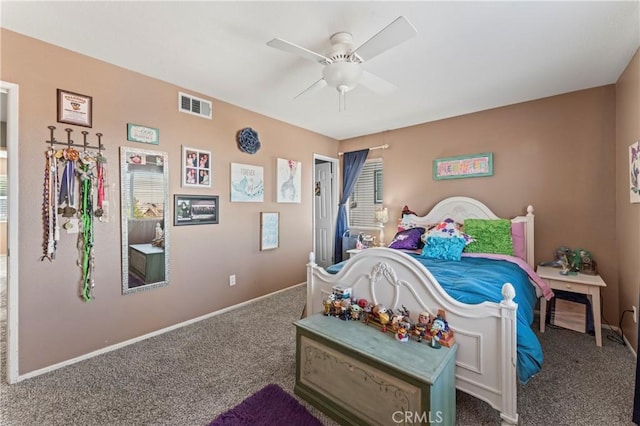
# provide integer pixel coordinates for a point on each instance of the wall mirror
(144, 189)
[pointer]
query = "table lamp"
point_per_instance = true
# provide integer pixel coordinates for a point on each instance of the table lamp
(382, 217)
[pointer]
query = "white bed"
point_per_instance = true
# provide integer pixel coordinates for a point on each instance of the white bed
(485, 333)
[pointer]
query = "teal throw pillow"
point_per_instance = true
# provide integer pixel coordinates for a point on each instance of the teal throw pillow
(443, 248)
(490, 235)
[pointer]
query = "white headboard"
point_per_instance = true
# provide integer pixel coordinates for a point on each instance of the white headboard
(461, 208)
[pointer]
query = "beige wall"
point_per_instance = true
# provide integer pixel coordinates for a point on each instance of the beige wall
(55, 325)
(627, 214)
(554, 153)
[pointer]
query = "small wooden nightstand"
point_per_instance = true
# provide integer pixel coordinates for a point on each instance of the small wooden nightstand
(589, 285)
(353, 252)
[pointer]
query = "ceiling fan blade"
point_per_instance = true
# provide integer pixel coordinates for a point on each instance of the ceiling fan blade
(392, 35)
(286, 46)
(320, 84)
(377, 84)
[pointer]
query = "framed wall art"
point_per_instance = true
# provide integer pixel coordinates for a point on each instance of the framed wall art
(289, 181)
(247, 183)
(463, 166)
(195, 209)
(74, 108)
(196, 168)
(269, 230)
(143, 134)
(634, 171)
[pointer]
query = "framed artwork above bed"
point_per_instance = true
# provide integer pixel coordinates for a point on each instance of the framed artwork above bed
(463, 166)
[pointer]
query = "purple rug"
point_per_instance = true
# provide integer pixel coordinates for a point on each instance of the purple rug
(269, 406)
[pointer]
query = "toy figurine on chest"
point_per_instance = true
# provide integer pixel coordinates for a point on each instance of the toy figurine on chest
(439, 333)
(421, 327)
(402, 335)
(378, 316)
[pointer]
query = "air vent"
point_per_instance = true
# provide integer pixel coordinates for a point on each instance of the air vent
(193, 105)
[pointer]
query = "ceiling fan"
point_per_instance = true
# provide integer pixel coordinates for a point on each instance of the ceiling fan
(343, 64)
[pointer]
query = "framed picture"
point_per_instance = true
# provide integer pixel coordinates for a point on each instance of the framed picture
(247, 183)
(634, 172)
(74, 108)
(143, 134)
(269, 230)
(289, 181)
(195, 209)
(196, 168)
(463, 166)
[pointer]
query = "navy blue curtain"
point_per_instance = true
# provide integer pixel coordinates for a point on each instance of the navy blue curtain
(353, 162)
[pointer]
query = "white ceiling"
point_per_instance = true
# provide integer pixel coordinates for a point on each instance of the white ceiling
(467, 56)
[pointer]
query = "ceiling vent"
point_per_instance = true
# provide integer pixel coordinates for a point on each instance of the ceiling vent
(193, 105)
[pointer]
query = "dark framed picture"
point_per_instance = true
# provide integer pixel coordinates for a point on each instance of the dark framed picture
(74, 108)
(195, 209)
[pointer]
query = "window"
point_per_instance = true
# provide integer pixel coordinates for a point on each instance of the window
(147, 192)
(367, 195)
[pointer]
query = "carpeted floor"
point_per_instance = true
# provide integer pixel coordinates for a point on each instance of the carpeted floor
(191, 375)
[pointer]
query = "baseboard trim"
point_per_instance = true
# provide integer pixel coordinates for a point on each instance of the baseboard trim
(116, 346)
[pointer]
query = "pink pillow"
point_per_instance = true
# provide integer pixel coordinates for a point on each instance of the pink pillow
(519, 243)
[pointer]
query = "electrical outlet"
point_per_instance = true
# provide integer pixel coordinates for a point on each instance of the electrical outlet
(232, 280)
(635, 314)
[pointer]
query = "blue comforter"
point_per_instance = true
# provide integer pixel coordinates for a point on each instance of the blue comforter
(475, 280)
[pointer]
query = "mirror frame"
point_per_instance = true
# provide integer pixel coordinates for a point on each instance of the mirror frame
(125, 206)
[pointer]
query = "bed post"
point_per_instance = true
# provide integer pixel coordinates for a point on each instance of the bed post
(310, 266)
(509, 405)
(530, 237)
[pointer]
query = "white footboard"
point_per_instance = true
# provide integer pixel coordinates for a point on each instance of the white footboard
(485, 333)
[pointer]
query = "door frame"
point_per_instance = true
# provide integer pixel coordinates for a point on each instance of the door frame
(334, 197)
(11, 90)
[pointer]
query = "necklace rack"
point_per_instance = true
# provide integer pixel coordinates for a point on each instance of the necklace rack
(89, 168)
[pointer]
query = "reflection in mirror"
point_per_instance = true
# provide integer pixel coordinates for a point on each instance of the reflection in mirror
(144, 193)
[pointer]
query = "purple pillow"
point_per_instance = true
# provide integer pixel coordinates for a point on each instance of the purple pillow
(409, 239)
(519, 245)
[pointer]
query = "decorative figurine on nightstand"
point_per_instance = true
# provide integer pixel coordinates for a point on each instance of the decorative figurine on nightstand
(565, 268)
(587, 264)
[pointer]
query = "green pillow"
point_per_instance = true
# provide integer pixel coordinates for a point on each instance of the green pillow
(491, 236)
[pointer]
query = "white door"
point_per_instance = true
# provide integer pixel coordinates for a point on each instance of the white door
(323, 201)
(9, 106)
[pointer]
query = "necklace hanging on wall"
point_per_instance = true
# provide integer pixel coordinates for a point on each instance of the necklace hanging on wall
(50, 207)
(85, 238)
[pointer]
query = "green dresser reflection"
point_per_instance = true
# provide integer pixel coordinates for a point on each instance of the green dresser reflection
(147, 262)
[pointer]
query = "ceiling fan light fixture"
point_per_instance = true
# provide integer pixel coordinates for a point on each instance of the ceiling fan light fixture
(342, 76)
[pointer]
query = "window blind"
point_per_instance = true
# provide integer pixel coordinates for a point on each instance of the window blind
(147, 190)
(367, 195)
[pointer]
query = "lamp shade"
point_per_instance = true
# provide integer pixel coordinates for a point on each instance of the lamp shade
(342, 76)
(382, 215)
